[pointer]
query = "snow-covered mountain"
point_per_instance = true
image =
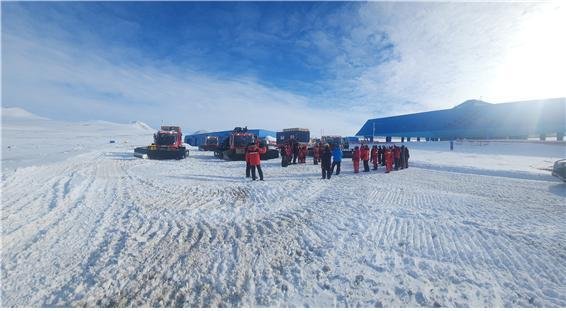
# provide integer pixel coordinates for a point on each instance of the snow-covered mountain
(142, 125)
(28, 139)
(19, 113)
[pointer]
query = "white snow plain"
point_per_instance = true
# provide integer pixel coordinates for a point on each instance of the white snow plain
(84, 223)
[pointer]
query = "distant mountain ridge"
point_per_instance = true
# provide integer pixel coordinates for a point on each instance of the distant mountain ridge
(19, 113)
(142, 125)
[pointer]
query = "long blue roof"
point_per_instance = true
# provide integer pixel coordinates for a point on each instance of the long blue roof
(475, 119)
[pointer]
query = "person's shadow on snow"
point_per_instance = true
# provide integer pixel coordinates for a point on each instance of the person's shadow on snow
(203, 177)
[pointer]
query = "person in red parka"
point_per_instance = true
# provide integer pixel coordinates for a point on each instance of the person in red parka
(364, 153)
(302, 153)
(388, 155)
(397, 156)
(288, 152)
(253, 157)
(356, 159)
(373, 157)
(315, 154)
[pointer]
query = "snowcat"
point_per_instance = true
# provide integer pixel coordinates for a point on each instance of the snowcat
(233, 147)
(210, 143)
(167, 144)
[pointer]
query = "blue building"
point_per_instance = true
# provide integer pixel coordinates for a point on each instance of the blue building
(199, 138)
(475, 119)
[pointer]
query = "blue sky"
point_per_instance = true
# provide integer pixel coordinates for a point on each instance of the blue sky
(322, 65)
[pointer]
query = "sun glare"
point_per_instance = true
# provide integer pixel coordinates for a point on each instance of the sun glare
(535, 62)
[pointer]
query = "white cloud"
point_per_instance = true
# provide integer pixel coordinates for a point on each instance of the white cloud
(60, 81)
(446, 53)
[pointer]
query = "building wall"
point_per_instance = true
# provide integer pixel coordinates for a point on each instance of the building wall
(475, 119)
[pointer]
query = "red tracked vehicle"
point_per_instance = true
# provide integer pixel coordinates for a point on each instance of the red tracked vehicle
(167, 144)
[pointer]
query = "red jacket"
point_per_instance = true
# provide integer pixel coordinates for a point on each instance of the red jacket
(374, 154)
(364, 153)
(253, 155)
(356, 155)
(397, 152)
(388, 156)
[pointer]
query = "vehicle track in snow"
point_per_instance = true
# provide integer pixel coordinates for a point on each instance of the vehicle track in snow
(97, 230)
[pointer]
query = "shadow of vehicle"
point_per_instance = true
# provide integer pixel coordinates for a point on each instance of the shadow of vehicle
(125, 156)
(558, 189)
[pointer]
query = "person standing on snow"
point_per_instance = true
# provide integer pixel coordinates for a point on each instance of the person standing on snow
(364, 152)
(295, 146)
(283, 153)
(253, 157)
(315, 154)
(356, 159)
(380, 155)
(336, 158)
(402, 158)
(373, 157)
(406, 157)
(325, 159)
(396, 156)
(388, 156)
(302, 153)
(288, 152)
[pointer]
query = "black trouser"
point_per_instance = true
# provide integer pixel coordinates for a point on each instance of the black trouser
(374, 165)
(295, 154)
(366, 166)
(396, 163)
(407, 162)
(326, 171)
(248, 169)
(337, 165)
(258, 170)
(315, 160)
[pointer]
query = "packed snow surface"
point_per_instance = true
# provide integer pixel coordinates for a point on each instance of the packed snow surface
(84, 223)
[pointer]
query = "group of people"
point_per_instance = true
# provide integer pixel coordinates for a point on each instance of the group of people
(292, 151)
(391, 157)
(381, 155)
(329, 159)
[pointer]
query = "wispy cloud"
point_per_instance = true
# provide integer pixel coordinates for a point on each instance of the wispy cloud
(60, 81)
(322, 65)
(444, 53)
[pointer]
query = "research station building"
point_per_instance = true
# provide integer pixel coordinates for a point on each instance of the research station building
(476, 119)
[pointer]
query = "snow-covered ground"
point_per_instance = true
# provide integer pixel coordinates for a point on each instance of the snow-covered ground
(84, 223)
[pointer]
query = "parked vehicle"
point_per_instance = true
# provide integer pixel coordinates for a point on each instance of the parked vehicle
(300, 135)
(233, 147)
(167, 144)
(210, 144)
(559, 169)
(332, 140)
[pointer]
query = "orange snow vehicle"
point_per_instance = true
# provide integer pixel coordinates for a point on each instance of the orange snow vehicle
(167, 144)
